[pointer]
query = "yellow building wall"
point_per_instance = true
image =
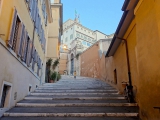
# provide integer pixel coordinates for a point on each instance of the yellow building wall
(23, 12)
(13, 70)
(148, 58)
(119, 62)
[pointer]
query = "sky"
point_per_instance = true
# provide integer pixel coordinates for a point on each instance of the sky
(102, 15)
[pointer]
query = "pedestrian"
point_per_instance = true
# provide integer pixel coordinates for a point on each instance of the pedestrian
(75, 74)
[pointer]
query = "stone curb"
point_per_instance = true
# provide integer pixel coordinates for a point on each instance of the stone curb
(74, 94)
(75, 90)
(78, 98)
(77, 105)
(71, 114)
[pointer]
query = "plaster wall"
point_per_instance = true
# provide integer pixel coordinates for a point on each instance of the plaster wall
(90, 62)
(148, 55)
(18, 74)
(100, 35)
(63, 63)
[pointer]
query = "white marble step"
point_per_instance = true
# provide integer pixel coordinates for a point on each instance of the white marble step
(71, 114)
(76, 104)
(76, 98)
(73, 94)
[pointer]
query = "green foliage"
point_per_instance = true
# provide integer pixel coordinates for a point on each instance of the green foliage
(59, 76)
(49, 62)
(53, 76)
(77, 56)
(56, 62)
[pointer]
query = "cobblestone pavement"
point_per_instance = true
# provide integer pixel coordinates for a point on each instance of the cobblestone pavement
(73, 99)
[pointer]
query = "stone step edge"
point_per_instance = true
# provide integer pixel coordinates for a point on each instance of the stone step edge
(71, 114)
(77, 105)
(78, 98)
(74, 93)
(38, 90)
(58, 88)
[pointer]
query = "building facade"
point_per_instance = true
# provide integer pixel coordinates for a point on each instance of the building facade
(133, 55)
(93, 65)
(78, 38)
(63, 61)
(55, 32)
(23, 36)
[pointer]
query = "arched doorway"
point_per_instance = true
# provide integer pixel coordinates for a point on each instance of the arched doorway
(72, 63)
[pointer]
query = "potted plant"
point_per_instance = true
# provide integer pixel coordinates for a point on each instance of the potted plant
(58, 76)
(52, 77)
(56, 62)
(48, 66)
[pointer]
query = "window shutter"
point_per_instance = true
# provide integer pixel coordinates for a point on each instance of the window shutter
(35, 10)
(30, 5)
(37, 20)
(33, 51)
(43, 5)
(44, 12)
(23, 44)
(35, 56)
(21, 41)
(36, 17)
(46, 20)
(12, 29)
(24, 47)
(18, 42)
(42, 36)
(29, 53)
(39, 26)
(40, 64)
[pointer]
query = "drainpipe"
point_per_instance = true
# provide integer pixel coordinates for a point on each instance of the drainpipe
(128, 66)
(127, 55)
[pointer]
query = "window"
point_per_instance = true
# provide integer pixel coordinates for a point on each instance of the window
(88, 44)
(19, 41)
(66, 39)
(115, 76)
(85, 37)
(84, 43)
(81, 36)
(78, 35)
(71, 36)
(89, 39)
(6, 95)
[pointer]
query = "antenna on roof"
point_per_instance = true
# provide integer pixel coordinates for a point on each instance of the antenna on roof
(75, 14)
(79, 18)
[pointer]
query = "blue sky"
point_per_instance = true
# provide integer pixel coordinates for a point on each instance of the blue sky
(102, 15)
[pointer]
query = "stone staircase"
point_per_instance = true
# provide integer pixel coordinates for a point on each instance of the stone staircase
(74, 99)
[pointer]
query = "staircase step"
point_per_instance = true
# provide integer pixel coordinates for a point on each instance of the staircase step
(75, 91)
(73, 114)
(62, 94)
(76, 104)
(96, 109)
(69, 118)
(72, 98)
(73, 101)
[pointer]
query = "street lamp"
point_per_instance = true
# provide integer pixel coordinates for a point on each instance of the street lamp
(65, 46)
